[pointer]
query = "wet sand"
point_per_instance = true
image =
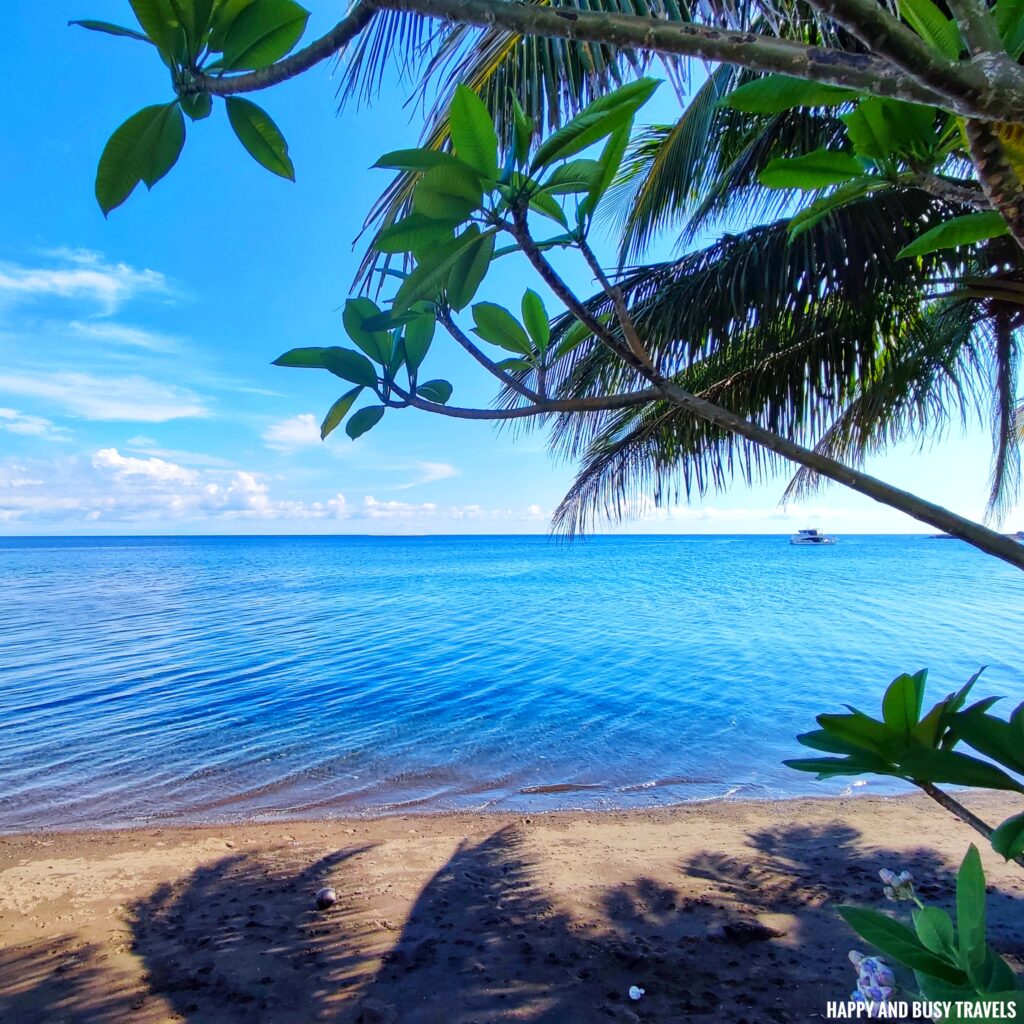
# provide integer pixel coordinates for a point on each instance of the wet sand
(719, 911)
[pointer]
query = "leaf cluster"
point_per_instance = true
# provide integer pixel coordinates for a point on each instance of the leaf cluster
(951, 960)
(196, 39)
(919, 747)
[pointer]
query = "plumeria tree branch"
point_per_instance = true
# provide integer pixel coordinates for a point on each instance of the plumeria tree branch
(907, 70)
(444, 317)
(602, 403)
(943, 519)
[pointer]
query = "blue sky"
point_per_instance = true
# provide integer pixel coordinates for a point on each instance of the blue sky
(136, 391)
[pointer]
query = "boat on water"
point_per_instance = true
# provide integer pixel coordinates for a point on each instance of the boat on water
(811, 537)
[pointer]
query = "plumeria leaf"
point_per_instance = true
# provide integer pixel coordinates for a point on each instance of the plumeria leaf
(143, 149)
(259, 135)
(264, 31)
(338, 411)
(364, 420)
(438, 391)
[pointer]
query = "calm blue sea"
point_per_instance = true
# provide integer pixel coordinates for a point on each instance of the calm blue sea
(211, 679)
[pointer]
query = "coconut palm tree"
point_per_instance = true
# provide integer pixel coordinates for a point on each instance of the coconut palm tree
(828, 337)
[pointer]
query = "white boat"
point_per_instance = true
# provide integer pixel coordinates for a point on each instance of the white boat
(811, 537)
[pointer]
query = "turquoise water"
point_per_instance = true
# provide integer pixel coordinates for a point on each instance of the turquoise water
(209, 679)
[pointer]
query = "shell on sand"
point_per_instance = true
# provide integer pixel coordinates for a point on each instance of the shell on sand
(326, 897)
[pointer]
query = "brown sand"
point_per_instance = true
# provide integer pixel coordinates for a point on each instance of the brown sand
(720, 911)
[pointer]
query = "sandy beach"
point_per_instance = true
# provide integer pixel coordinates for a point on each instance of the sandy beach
(719, 911)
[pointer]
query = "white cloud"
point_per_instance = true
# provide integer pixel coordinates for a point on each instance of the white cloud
(148, 446)
(430, 472)
(80, 274)
(296, 432)
(155, 469)
(107, 398)
(31, 426)
(123, 334)
(114, 488)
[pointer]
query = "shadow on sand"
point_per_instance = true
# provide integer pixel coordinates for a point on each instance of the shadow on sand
(239, 941)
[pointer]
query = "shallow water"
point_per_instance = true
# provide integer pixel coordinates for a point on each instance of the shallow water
(208, 679)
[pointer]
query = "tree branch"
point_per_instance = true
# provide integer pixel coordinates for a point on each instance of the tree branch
(955, 807)
(962, 88)
(977, 27)
(600, 403)
(960, 192)
(884, 34)
(866, 73)
(326, 46)
(445, 317)
(910, 504)
(997, 176)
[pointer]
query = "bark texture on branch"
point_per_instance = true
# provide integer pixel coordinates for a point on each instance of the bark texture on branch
(999, 181)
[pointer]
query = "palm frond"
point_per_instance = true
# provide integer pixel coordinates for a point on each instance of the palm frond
(925, 378)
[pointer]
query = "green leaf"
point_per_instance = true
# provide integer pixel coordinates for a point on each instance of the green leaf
(545, 204)
(535, 316)
(469, 270)
(418, 335)
(338, 411)
(523, 128)
(594, 122)
(350, 366)
(963, 230)
(159, 22)
(839, 197)
(1009, 15)
(991, 736)
(970, 908)
(573, 176)
(376, 344)
(364, 420)
(306, 358)
(111, 30)
(397, 356)
(472, 132)
(1008, 838)
(882, 129)
(863, 731)
(260, 136)
(773, 94)
(194, 18)
(263, 32)
(815, 170)
(514, 364)
(497, 325)
(950, 766)
(856, 764)
(899, 942)
(934, 928)
(819, 739)
(901, 705)
(144, 148)
(438, 391)
(197, 105)
(414, 232)
(428, 278)
(993, 974)
(932, 26)
(224, 17)
(420, 160)
(449, 192)
(610, 162)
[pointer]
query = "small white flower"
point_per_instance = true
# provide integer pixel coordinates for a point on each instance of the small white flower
(635, 992)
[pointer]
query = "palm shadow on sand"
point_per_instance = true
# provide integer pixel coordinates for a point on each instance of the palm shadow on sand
(484, 943)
